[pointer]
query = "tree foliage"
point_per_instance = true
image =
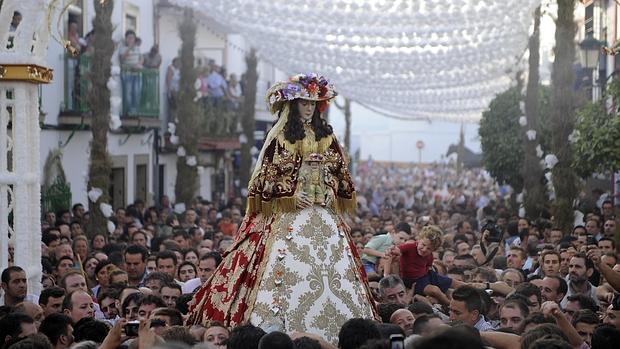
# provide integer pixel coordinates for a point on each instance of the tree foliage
(501, 135)
(500, 139)
(597, 144)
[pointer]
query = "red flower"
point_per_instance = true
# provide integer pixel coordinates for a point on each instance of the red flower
(323, 91)
(312, 88)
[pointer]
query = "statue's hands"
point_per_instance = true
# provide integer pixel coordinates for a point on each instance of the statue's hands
(303, 201)
(329, 197)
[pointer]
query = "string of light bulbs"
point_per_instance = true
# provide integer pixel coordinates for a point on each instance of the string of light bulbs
(435, 59)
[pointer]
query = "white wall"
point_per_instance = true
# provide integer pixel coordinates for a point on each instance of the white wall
(236, 49)
(206, 188)
(170, 173)
(76, 154)
(52, 95)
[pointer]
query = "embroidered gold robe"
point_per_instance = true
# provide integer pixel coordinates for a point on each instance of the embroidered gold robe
(291, 269)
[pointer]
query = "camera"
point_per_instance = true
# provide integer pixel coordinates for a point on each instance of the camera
(495, 232)
(397, 341)
(131, 328)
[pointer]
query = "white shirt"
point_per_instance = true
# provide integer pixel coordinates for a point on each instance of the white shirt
(191, 285)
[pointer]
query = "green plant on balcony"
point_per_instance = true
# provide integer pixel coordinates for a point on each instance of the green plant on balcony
(596, 139)
(219, 120)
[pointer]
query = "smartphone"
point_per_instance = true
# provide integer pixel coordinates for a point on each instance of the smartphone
(397, 341)
(131, 328)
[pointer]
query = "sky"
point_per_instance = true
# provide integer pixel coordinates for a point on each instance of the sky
(387, 139)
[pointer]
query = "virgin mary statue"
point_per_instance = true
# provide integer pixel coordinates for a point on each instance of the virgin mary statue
(293, 265)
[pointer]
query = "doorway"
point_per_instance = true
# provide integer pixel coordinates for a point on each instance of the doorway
(117, 187)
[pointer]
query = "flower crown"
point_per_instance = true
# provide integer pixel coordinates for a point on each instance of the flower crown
(303, 86)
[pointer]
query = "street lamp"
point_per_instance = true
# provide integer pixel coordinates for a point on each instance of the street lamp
(590, 51)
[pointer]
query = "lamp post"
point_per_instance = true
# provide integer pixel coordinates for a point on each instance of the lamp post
(589, 54)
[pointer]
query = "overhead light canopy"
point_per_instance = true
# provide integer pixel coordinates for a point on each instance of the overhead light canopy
(436, 59)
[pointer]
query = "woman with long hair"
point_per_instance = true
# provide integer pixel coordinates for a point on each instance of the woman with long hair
(293, 265)
(90, 265)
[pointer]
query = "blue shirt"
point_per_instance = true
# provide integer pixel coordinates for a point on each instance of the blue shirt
(217, 85)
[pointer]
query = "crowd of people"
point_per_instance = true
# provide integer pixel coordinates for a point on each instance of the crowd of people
(217, 92)
(214, 88)
(447, 261)
(129, 54)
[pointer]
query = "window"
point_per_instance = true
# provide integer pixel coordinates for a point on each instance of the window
(131, 22)
(131, 13)
(589, 20)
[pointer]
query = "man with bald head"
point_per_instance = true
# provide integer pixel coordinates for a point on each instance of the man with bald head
(78, 305)
(404, 319)
(553, 288)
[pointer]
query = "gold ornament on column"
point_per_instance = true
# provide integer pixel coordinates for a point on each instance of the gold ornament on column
(26, 72)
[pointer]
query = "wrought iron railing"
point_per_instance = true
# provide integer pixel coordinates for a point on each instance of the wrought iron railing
(77, 85)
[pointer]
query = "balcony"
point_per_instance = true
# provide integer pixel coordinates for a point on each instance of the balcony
(76, 111)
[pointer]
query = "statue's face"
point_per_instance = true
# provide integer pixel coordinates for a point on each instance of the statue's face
(306, 109)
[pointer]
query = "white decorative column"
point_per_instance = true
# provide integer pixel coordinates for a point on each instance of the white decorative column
(22, 68)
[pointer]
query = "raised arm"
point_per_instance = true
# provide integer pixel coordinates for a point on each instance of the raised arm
(609, 274)
(498, 287)
(501, 340)
(552, 309)
(501, 287)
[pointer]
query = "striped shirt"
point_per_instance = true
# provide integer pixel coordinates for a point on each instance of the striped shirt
(483, 326)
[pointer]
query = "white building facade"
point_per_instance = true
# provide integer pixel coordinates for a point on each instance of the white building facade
(141, 169)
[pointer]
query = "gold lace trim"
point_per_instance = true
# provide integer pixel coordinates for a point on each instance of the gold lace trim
(276, 205)
(307, 145)
(346, 205)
